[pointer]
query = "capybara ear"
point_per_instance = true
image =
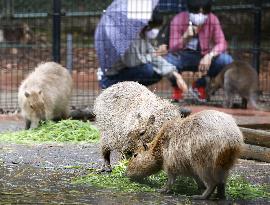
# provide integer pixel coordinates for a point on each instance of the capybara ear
(151, 120)
(142, 132)
(26, 94)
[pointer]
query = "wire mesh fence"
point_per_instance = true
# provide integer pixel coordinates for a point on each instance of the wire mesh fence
(27, 38)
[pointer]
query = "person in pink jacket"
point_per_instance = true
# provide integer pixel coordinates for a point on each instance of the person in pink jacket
(197, 43)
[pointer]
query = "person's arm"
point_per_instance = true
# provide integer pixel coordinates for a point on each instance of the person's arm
(163, 67)
(136, 54)
(220, 45)
(178, 36)
(218, 38)
(160, 64)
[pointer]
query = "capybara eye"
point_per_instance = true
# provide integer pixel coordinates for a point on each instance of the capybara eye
(142, 133)
(31, 106)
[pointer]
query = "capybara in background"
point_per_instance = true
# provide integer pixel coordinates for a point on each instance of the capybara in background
(240, 78)
(204, 145)
(118, 111)
(45, 94)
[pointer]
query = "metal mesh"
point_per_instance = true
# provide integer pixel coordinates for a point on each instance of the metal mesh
(26, 39)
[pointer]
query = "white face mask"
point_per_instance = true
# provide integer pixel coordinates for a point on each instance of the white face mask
(152, 34)
(197, 19)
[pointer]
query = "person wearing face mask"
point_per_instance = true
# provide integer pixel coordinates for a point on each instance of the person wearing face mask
(142, 62)
(197, 43)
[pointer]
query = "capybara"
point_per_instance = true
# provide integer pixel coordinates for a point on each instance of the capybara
(45, 94)
(119, 109)
(238, 77)
(204, 145)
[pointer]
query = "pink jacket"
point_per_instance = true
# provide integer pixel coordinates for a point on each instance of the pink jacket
(211, 36)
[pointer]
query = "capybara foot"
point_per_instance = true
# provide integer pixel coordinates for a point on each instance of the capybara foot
(165, 190)
(106, 168)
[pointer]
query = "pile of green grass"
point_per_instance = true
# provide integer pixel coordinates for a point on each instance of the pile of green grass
(62, 131)
(237, 186)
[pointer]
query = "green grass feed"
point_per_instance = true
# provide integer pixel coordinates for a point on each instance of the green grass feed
(62, 131)
(237, 187)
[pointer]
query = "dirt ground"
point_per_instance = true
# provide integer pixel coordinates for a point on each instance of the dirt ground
(42, 174)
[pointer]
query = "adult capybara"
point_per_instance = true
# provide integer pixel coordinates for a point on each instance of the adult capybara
(238, 77)
(118, 110)
(45, 94)
(204, 146)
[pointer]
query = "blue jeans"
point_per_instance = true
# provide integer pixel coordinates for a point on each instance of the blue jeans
(189, 60)
(143, 74)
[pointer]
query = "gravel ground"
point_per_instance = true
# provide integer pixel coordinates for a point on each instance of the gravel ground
(62, 156)
(24, 166)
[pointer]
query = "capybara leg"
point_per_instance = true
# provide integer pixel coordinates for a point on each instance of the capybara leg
(228, 100)
(168, 187)
(221, 191)
(244, 103)
(106, 156)
(253, 103)
(209, 181)
(56, 119)
(210, 187)
(27, 124)
(65, 115)
(200, 184)
(62, 116)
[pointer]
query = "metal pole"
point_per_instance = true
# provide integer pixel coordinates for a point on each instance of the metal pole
(69, 63)
(257, 34)
(56, 30)
(7, 9)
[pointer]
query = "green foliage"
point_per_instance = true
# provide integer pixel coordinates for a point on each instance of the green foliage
(237, 186)
(63, 131)
(115, 180)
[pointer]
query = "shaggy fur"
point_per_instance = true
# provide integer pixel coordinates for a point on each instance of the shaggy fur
(120, 108)
(45, 94)
(236, 78)
(204, 146)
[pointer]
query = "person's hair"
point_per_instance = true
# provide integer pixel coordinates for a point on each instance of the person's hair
(155, 21)
(195, 5)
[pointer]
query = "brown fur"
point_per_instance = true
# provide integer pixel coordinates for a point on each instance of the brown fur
(236, 78)
(45, 94)
(203, 145)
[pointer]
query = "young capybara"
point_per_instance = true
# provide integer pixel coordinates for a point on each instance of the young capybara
(204, 145)
(240, 78)
(120, 108)
(45, 94)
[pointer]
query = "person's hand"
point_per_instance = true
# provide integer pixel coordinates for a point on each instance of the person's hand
(162, 50)
(191, 31)
(205, 63)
